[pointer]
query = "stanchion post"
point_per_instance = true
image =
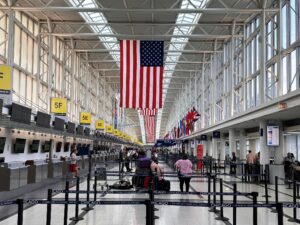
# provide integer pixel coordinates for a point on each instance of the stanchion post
(88, 207)
(294, 219)
(254, 196)
(49, 204)
(20, 203)
(149, 219)
(209, 189)
(243, 177)
(221, 216)
(279, 209)
(266, 189)
(276, 189)
(95, 188)
(213, 209)
(234, 204)
(66, 205)
(77, 217)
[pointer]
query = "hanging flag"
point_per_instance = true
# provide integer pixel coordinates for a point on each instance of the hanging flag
(141, 74)
(148, 112)
(149, 128)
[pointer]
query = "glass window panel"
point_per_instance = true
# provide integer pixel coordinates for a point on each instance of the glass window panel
(17, 45)
(293, 70)
(284, 76)
(24, 50)
(293, 18)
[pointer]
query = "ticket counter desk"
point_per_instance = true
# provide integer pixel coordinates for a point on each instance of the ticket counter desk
(65, 167)
(55, 168)
(13, 175)
(37, 172)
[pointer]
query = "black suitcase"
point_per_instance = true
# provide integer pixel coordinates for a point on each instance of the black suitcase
(165, 185)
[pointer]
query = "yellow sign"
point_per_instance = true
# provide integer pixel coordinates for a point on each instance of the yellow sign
(109, 129)
(116, 132)
(58, 106)
(85, 118)
(5, 73)
(99, 125)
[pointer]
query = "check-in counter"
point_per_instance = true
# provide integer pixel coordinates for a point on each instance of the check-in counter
(276, 170)
(37, 172)
(13, 175)
(57, 168)
(65, 167)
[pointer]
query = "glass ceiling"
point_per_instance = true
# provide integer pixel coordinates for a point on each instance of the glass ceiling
(171, 58)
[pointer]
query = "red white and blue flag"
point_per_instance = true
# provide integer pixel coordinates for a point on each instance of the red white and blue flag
(150, 128)
(148, 112)
(141, 74)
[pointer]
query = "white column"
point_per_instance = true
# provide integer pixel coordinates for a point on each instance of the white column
(232, 144)
(279, 151)
(222, 150)
(264, 149)
(214, 148)
(243, 144)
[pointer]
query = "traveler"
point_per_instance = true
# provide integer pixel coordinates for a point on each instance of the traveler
(73, 165)
(156, 169)
(249, 167)
(233, 163)
(184, 167)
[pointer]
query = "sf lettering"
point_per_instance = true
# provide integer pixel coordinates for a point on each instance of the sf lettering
(58, 105)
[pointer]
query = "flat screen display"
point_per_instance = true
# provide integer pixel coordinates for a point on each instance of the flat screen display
(20, 113)
(66, 147)
(79, 129)
(19, 146)
(2, 144)
(43, 120)
(216, 134)
(59, 124)
(71, 128)
(273, 135)
(87, 131)
(1, 106)
(203, 137)
(47, 146)
(34, 147)
(58, 146)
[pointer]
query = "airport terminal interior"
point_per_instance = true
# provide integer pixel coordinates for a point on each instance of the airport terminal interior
(144, 112)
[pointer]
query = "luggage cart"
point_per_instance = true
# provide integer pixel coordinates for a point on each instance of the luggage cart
(100, 173)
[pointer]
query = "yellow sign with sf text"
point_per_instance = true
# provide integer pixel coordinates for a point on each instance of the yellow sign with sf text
(58, 106)
(99, 125)
(109, 129)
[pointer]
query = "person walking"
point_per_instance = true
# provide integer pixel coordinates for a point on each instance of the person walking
(250, 161)
(73, 164)
(184, 167)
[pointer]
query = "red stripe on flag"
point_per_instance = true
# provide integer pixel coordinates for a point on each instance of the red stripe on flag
(161, 84)
(134, 74)
(148, 88)
(141, 87)
(128, 72)
(121, 74)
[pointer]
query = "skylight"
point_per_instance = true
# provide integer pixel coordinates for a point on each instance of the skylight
(179, 44)
(98, 17)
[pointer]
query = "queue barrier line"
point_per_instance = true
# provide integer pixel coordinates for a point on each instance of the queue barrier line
(155, 192)
(142, 202)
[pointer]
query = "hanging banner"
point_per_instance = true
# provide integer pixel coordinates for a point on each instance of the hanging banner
(85, 118)
(99, 125)
(199, 156)
(109, 129)
(58, 106)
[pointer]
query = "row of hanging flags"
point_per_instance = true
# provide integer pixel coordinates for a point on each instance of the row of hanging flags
(141, 79)
(186, 125)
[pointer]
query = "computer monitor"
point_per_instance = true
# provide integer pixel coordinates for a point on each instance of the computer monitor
(34, 147)
(20, 113)
(43, 119)
(58, 146)
(19, 146)
(66, 147)
(47, 146)
(59, 124)
(2, 144)
(71, 128)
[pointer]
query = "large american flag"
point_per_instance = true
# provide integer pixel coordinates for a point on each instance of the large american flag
(141, 74)
(148, 112)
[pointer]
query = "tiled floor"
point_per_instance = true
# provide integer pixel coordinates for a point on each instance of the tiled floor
(168, 215)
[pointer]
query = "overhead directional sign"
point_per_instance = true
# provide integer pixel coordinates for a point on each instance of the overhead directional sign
(5, 84)
(99, 125)
(109, 129)
(58, 106)
(85, 118)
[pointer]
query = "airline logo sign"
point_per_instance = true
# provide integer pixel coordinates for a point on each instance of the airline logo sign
(109, 129)
(5, 74)
(58, 106)
(99, 125)
(116, 132)
(85, 118)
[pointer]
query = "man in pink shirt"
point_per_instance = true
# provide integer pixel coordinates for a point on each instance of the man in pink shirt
(184, 166)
